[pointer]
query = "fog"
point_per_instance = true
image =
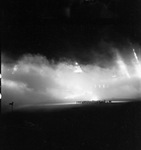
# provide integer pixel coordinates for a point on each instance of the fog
(35, 80)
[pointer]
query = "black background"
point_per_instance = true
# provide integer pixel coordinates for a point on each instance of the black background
(44, 27)
(98, 126)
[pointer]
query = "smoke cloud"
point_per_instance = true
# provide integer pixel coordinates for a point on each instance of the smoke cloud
(35, 80)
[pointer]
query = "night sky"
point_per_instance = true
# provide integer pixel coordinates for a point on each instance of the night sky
(71, 29)
(62, 50)
(57, 52)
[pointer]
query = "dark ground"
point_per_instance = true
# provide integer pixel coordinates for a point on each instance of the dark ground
(101, 127)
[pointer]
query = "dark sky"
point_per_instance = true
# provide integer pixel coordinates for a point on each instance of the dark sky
(68, 28)
(43, 40)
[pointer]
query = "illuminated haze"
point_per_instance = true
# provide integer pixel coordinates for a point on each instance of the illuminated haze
(35, 80)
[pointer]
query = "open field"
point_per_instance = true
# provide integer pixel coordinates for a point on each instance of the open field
(100, 127)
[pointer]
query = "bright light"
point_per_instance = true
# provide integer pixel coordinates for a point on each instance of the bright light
(138, 70)
(0, 76)
(135, 56)
(77, 68)
(137, 65)
(9, 83)
(71, 81)
(122, 66)
(94, 98)
(13, 84)
(76, 63)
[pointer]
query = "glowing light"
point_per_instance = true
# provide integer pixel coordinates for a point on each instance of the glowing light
(0, 96)
(137, 65)
(73, 96)
(135, 56)
(0, 76)
(76, 63)
(77, 68)
(138, 70)
(69, 82)
(94, 98)
(15, 68)
(122, 67)
(9, 83)
(12, 84)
